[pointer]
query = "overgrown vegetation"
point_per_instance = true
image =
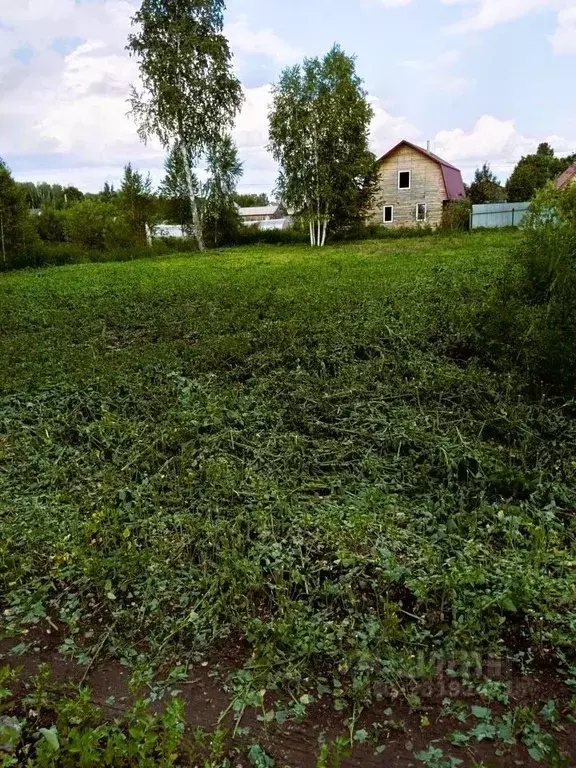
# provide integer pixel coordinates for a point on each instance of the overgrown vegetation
(530, 322)
(533, 172)
(338, 462)
(298, 450)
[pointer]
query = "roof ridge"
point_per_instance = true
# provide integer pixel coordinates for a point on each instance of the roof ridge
(427, 152)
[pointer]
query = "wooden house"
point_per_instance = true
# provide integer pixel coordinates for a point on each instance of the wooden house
(567, 178)
(413, 185)
(262, 213)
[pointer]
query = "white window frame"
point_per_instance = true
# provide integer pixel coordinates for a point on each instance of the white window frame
(425, 212)
(384, 214)
(405, 189)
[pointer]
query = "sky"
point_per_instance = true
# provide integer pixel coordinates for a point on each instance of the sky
(482, 80)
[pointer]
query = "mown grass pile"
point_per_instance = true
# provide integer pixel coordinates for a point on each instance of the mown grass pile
(292, 449)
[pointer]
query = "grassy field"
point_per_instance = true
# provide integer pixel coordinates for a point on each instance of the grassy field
(295, 453)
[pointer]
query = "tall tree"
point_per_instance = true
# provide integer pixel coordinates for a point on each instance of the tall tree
(486, 188)
(215, 196)
(190, 95)
(534, 171)
(108, 193)
(135, 200)
(174, 190)
(224, 169)
(16, 228)
(319, 125)
(72, 195)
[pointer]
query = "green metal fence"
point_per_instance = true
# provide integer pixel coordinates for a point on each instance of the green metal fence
(494, 215)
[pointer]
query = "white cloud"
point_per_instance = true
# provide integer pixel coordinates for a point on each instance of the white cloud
(564, 38)
(490, 13)
(70, 112)
(491, 140)
(245, 39)
(387, 130)
(437, 73)
(87, 114)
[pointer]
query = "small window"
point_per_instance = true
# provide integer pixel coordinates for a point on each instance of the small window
(388, 214)
(421, 212)
(404, 179)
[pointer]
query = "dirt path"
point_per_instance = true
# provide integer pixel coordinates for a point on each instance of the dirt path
(296, 744)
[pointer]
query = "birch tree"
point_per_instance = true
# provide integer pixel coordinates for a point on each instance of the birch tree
(174, 189)
(319, 129)
(215, 194)
(189, 95)
(224, 170)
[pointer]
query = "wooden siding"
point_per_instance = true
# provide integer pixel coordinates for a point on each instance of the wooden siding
(427, 186)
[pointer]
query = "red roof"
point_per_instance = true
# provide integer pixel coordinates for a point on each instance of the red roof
(452, 175)
(567, 177)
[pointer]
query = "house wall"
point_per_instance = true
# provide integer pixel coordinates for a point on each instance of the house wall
(255, 219)
(427, 186)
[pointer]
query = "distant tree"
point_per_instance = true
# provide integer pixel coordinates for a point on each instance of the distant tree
(545, 150)
(135, 201)
(89, 223)
(51, 225)
(108, 193)
(486, 188)
(16, 227)
(224, 169)
(72, 195)
(190, 95)
(319, 127)
(31, 194)
(251, 199)
(50, 195)
(215, 196)
(53, 196)
(533, 172)
(174, 191)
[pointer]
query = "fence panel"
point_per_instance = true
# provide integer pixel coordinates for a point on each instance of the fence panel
(498, 215)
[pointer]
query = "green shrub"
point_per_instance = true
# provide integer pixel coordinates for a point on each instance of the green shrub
(379, 232)
(532, 317)
(51, 225)
(89, 224)
(255, 236)
(456, 216)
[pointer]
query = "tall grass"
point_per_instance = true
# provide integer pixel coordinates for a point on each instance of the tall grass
(287, 448)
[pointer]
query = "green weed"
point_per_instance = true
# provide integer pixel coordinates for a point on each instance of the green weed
(298, 449)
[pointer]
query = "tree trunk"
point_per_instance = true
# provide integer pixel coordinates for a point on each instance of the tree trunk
(192, 196)
(148, 235)
(312, 233)
(324, 229)
(2, 239)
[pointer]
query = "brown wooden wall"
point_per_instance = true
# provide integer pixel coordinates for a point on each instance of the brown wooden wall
(427, 186)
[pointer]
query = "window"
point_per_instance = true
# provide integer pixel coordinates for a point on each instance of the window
(388, 214)
(404, 179)
(421, 212)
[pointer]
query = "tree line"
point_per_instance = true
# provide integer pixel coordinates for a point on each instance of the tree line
(531, 174)
(189, 97)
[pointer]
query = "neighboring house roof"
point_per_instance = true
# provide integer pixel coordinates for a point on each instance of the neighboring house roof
(452, 175)
(566, 178)
(263, 210)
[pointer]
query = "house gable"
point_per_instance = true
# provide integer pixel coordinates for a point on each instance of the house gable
(567, 178)
(415, 183)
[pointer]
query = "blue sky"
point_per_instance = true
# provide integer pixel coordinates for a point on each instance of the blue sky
(483, 80)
